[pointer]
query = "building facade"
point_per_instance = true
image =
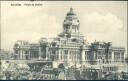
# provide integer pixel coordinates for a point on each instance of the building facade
(70, 48)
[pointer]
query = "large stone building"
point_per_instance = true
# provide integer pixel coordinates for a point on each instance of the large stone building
(70, 48)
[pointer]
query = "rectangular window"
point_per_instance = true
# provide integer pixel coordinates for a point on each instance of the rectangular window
(66, 51)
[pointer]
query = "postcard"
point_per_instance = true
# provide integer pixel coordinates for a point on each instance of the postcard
(63, 40)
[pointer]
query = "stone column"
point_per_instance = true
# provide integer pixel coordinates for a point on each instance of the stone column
(68, 56)
(29, 56)
(62, 55)
(21, 54)
(40, 53)
(120, 57)
(83, 56)
(18, 54)
(47, 52)
(124, 55)
(112, 59)
(59, 54)
(77, 56)
(94, 57)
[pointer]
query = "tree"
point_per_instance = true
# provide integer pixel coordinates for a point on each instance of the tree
(61, 66)
(55, 70)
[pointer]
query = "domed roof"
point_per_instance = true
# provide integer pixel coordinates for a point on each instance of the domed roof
(71, 12)
(71, 18)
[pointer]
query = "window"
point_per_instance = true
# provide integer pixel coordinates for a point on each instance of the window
(74, 40)
(66, 51)
(116, 56)
(26, 52)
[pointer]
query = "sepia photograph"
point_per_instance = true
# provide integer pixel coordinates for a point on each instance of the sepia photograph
(63, 40)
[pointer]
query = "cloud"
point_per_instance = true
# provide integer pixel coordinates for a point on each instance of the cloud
(99, 23)
(103, 27)
(30, 26)
(31, 23)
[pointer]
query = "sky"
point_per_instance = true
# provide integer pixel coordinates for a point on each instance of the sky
(99, 20)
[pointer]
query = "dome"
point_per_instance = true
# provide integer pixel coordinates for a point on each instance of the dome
(71, 12)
